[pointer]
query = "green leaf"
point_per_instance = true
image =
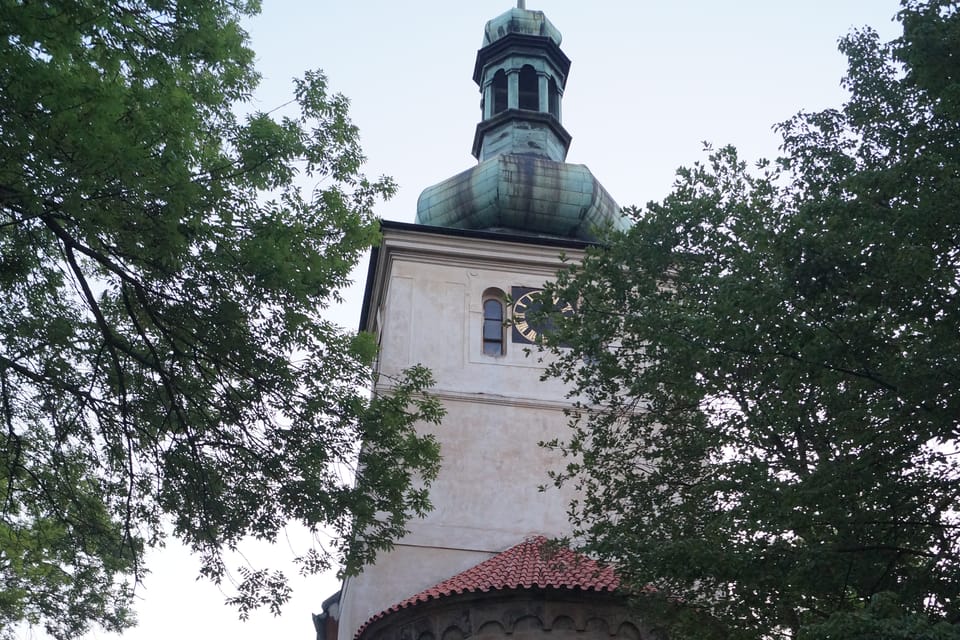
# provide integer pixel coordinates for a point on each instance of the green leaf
(164, 361)
(776, 353)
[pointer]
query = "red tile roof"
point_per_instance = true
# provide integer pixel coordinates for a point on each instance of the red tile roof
(534, 563)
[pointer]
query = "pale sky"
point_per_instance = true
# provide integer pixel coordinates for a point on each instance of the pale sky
(650, 81)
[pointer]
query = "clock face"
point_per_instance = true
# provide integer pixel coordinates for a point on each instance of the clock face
(529, 301)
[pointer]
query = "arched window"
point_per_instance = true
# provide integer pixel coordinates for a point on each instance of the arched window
(554, 99)
(493, 327)
(529, 89)
(499, 91)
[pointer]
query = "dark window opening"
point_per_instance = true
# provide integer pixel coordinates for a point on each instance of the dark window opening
(554, 96)
(499, 92)
(493, 328)
(529, 89)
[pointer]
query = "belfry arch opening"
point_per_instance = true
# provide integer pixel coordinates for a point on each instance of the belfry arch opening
(553, 94)
(529, 89)
(499, 91)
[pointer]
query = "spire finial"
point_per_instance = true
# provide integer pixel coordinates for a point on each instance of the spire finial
(521, 4)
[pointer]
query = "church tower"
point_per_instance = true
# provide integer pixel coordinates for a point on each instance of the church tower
(449, 292)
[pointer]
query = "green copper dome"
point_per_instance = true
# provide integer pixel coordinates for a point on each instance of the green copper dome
(531, 23)
(525, 194)
(522, 183)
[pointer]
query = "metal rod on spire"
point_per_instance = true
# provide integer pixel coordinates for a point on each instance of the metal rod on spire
(521, 4)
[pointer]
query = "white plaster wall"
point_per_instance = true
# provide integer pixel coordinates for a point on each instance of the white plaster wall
(487, 497)
(433, 315)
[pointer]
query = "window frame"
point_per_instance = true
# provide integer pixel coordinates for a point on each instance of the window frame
(493, 299)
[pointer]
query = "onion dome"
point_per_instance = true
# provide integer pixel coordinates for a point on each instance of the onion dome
(531, 23)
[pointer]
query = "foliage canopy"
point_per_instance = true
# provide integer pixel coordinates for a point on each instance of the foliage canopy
(164, 362)
(767, 369)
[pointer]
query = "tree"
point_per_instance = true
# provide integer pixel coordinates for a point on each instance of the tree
(766, 369)
(165, 366)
